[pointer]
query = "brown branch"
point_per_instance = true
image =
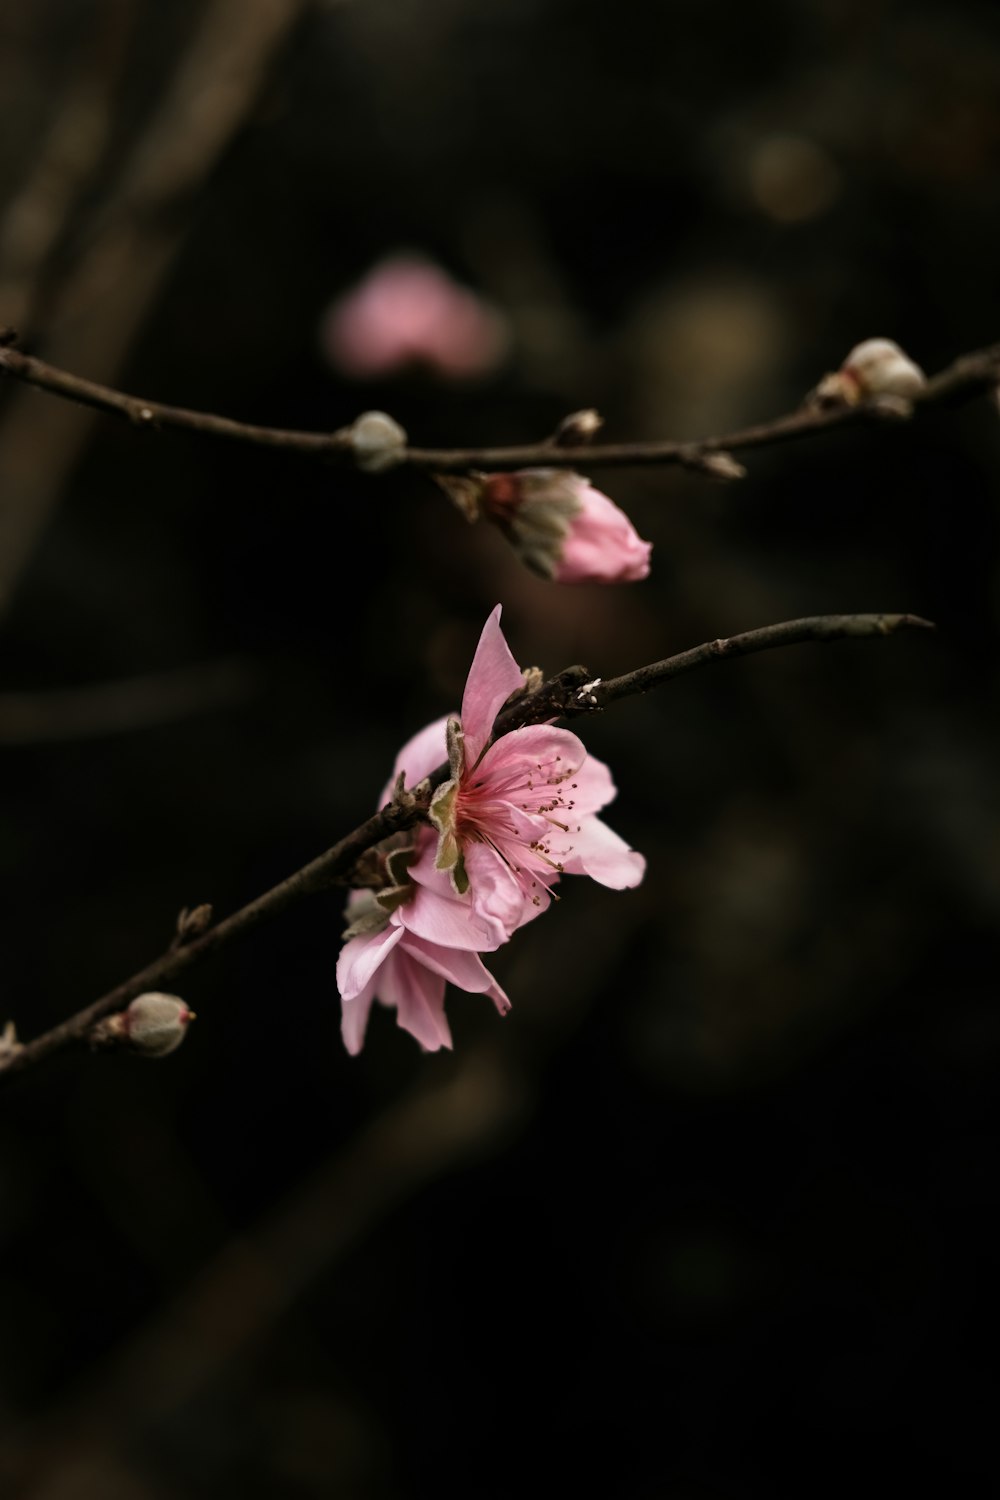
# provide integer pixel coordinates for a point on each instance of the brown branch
(967, 377)
(570, 694)
(132, 237)
(122, 706)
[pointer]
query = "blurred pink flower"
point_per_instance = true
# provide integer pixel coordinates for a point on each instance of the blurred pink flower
(565, 529)
(520, 812)
(409, 311)
(407, 973)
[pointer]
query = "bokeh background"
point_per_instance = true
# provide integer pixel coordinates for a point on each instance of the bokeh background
(709, 1214)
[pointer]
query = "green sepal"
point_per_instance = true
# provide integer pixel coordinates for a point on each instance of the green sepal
(442, 814)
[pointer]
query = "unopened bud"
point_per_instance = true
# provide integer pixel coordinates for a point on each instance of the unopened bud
(563, 528)
(717, 465)
(579, 427)
(876, 367)
(9, 1044)
(192, 922)
(152, 1024)
(377, 442)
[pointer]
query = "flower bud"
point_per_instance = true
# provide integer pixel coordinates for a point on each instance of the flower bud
(876, 367)
(152, 1024)
(563, 528)
(9, 1044)
(579, 427)
(377, 442)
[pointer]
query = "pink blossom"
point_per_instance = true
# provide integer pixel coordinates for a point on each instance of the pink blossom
(565, 529)
(513, 818)
(520, 812)
(405, 972)
(408, 311)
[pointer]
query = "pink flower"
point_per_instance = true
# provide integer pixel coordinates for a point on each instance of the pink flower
(563, 528)
(520, 812)
(405, 972)
(513, 818)
(408, 311)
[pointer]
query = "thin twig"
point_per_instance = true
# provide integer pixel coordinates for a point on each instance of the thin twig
(966, 378)
(569, 694)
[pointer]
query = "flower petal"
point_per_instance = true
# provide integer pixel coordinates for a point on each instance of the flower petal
(493, 676)
(436, 913)
(602, 545)
(354, 1021)
(600, 853)
(361, 956)
(418, 996)
(419, 757)
(464, 970)
(593, 787)
(538, 754)
(498, 894)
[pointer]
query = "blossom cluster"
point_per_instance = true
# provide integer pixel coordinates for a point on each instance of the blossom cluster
(515, 815)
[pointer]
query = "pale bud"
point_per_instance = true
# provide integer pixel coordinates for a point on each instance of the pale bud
(153, 1024)
(377, 442)
(578, 428)
(192, 922)
(874, 368)
(717, 464)
(9, 1044)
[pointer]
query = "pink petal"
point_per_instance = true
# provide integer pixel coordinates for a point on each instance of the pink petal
(354, 1021)
(606, 858)
(538, 753)
(594, 787)
(602, 545)
(464, 970)
(498, 894)
(361, 956)
(436, 913)
(418, 996)
(493, 676)
(419, 757)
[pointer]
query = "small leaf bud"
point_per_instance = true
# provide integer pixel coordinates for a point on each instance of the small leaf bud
(377, 442)
(192, 922)
(717, 464)
(9, 1044)
(578, 428)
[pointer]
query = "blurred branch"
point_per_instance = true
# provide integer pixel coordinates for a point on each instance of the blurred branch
(136, 233)
(968, 377)
(36, 218)
(569, 694)
(237, 1297)
(131, 703)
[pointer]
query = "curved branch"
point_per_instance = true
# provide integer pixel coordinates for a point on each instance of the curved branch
(567, 695)
(967, 377)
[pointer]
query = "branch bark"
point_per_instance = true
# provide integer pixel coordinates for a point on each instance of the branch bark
(570, 694)
(968, 377)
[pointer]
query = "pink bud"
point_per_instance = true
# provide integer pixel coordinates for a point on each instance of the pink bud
(565, 529)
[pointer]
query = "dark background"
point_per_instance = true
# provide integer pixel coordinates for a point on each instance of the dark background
(710, 1214)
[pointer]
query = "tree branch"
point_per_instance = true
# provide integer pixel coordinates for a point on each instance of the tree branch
(570, 694)
(967, 377)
